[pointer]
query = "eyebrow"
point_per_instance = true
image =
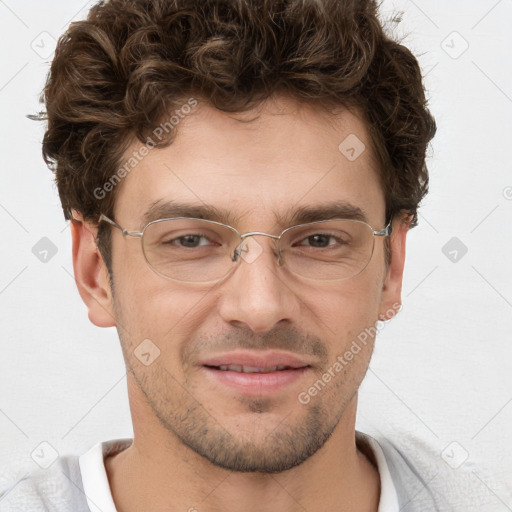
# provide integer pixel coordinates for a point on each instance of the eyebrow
(163, 209)
(327, 211)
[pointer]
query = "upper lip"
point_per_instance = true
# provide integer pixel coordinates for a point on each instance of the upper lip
(258, 360)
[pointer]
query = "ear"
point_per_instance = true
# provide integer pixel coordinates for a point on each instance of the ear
(91, 275)
(391, 298)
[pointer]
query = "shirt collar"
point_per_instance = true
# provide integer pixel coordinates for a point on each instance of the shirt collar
(99, 496)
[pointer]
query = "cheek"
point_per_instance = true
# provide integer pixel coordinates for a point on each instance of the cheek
(349, 306)
(150, 307)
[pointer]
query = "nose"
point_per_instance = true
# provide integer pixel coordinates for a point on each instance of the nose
(258, 294)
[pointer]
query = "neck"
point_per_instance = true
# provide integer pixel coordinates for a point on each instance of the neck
(158, 472)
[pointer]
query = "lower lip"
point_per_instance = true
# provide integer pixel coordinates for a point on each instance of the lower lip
(256, 383)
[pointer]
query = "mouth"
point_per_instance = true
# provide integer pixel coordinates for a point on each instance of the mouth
(256, 374)
(251, 369)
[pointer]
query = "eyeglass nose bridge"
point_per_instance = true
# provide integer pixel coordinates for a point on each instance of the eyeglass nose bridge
(240, 248)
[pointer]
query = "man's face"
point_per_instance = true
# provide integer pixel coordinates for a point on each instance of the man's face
(287, 159)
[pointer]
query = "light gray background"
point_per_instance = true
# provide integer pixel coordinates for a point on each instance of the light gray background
(441, 371)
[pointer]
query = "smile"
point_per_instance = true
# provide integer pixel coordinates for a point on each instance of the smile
(251, 369)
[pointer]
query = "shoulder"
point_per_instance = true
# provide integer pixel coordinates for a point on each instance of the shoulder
(425, 482)
(411, 484)
(30, 489)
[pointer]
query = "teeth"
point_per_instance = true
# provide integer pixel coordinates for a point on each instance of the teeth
(252, 369)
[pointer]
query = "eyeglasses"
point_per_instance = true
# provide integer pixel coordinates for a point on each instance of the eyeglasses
(203, 251)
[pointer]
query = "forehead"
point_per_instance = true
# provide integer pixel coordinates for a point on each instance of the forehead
(283, 162)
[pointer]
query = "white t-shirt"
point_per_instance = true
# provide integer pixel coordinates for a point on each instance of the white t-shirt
(99, 497)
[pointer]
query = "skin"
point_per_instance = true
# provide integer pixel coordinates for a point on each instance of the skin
(204, 446)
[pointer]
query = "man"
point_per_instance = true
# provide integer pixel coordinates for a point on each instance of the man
(240, 178)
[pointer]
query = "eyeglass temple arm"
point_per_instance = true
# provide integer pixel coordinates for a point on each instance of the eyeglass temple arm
(386, 231)
(116, 225)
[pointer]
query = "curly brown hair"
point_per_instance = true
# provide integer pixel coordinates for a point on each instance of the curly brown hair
(117, 74)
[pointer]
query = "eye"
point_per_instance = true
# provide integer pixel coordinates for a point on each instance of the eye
(190, 241)
(318, 240)
(323, 240)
